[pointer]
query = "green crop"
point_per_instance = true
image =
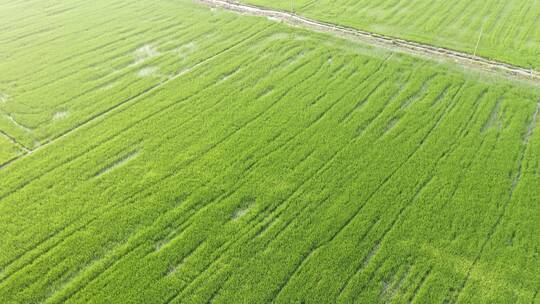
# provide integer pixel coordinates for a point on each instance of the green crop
(190, 155)
(502, 30)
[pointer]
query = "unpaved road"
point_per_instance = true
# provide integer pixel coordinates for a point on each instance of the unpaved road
(381, 40)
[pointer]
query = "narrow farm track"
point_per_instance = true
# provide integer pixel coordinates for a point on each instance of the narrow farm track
(392, 43)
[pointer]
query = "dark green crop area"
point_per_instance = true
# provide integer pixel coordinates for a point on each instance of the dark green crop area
(182, 154)
(504, 30)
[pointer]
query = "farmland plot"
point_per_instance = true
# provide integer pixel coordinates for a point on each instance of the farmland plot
(503, 30)
(76, 63)
(280, 165)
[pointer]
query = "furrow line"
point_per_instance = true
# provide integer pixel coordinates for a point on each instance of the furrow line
(391, 43)
(148, 91)
(419, 286)
(94, 276)
(305, 257)
(256, 230)
(517, 178)
(14, 141)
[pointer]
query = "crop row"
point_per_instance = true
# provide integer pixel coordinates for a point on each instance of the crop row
(286, 166)
(57, 81)
(501, 30)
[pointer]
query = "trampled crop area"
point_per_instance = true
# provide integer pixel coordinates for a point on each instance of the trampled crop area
(502, 30)
(182, 154)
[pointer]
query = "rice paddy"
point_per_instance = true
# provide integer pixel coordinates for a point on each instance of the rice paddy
(502, 30)
(174, 153)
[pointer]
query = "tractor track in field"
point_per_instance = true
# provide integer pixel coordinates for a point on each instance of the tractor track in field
(124, 103)
(387, 42)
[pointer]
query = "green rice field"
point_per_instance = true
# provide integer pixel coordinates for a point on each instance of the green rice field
(503, 30)
(176, 153)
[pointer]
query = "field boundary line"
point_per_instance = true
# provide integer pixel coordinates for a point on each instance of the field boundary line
(127, 101)
(388, 42)
(14, 141)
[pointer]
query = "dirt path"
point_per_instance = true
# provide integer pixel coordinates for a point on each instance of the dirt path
(381, 40)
